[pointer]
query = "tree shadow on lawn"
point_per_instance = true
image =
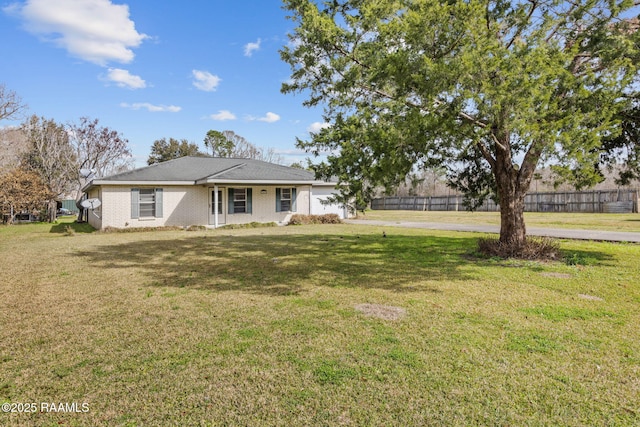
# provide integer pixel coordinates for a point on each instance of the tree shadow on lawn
(286, 264)
(67, 227)
(587, 257)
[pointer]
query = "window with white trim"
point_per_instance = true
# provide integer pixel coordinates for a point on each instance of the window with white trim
(286, 199)
(239, 200)
(147, 202)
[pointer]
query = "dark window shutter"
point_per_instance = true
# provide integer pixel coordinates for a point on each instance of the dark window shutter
(230, 200)
(158, 202)
(135, 203)
(278, 200)
(249, 200)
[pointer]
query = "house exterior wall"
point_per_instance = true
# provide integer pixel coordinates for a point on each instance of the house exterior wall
(190, 205)
(264, 205)
(95, 217)
(320, 195)
(182, 206)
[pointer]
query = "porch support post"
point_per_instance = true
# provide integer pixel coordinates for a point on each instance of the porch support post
(215, 206)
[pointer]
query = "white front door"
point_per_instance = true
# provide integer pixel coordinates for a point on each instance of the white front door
(222, 217)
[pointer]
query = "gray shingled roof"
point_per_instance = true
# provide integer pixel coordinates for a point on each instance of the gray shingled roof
(215, 168)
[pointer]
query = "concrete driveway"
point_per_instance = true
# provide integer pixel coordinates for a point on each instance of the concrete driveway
(561, 233)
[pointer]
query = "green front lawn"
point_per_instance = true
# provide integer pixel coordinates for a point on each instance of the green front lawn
(278, 326)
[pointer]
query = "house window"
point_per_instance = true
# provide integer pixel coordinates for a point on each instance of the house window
(239, 200)
(285, 199)
(147, 202)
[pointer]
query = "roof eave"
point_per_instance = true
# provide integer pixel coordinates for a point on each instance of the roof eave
(254, 181)
(98, 182)
(208, 181)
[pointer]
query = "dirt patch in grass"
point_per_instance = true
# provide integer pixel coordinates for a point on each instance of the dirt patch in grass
(590, 297)
(386, 312)
(556, 275)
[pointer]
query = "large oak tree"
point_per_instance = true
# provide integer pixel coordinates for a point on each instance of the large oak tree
(489, 89)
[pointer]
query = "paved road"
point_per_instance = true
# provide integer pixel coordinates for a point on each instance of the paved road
(562, 233)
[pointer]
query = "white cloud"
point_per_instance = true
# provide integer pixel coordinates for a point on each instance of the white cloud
(123, 78)
(223, 115)
(151, 107)
(205, 81)
(97, 31)
(249, 48)
(316, 127)
(268, 118)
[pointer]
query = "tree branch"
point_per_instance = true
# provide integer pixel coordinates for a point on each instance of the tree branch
(534, 6)
(486, 153)
(529, 163)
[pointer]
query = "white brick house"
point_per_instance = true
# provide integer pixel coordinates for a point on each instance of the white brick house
(207, 191)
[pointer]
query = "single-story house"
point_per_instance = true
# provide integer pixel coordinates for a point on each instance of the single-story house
(207, 191)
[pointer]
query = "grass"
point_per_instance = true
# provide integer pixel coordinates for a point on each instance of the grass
(258, 327)
(609, 222)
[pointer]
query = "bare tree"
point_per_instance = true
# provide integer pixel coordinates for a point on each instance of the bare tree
(11, 105)
(271, 156)
(99, 149)
(12, 142)
(51, 156)
(13, 145)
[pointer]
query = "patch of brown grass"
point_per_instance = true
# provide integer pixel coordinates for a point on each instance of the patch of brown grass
(386, 312)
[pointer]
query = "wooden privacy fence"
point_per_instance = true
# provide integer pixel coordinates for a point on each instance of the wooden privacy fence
(596, 201)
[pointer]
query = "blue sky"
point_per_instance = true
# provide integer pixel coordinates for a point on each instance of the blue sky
(154, 69)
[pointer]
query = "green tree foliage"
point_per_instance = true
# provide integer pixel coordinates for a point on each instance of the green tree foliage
(220, 144)
(622, 150)
(229, 144)
(487, 89)
(163, 150)
(297, 165)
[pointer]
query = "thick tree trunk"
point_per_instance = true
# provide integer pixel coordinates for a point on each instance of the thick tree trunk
(512, 184)
(512, 227)
(52, 208)
(512, 188)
